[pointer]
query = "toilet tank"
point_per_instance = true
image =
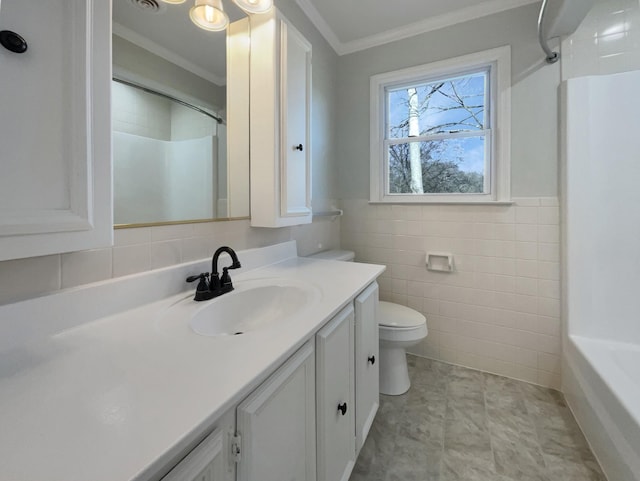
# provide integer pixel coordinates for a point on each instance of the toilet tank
(335, 255)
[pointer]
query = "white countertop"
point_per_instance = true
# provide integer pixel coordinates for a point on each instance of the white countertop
(108, 399)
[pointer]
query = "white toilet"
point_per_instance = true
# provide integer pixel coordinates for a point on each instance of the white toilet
(399, 327)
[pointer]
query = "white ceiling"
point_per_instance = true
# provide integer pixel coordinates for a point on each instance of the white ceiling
(348, 25)
(352, 25)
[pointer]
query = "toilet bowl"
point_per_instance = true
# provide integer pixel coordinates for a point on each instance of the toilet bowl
(399, 327)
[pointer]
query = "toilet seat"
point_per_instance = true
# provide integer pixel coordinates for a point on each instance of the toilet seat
(399, 317)
(407, 334)
(398, 323)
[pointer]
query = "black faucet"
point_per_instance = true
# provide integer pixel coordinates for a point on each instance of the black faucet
(217, 285)
(223, 284)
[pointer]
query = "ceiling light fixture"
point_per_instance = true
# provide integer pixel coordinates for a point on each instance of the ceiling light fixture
(210, 15)
(254, 6)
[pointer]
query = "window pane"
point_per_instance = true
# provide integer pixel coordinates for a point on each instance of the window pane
(444, 166)
(453, 105)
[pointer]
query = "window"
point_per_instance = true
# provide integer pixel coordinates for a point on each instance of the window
(440, 132)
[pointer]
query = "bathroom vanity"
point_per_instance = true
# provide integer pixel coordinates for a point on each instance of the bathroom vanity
(109, 382)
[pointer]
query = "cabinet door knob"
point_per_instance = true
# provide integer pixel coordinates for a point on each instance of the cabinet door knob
(12, 41)
(372, 360)
(298, 147)
(342, 408)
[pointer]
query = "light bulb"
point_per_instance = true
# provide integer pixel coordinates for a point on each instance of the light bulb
(254, 6)
(209, 15)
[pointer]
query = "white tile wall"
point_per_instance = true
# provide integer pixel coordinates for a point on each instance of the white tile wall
(187, 123)
(607, 41)
(83, 267)
(142, 249)
(139, 113)
(499, 311)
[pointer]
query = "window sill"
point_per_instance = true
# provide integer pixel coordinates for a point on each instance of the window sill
(443, 202)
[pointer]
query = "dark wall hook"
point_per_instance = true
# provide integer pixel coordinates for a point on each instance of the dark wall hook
(13, 42)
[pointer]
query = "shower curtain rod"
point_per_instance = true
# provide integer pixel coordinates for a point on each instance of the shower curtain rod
(169, 97)
(552, 57)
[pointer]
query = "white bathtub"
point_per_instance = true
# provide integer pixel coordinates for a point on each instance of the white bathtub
(602, 386)
(601, 266)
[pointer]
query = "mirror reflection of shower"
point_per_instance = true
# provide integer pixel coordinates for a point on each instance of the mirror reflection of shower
(169, 158)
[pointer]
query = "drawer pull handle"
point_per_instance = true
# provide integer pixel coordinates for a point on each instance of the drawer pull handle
(372, 360)
(342, 408)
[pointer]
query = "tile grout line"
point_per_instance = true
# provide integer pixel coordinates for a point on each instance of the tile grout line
(531, 419)
(486, 416)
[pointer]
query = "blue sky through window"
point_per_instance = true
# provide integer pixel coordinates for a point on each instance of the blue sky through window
(446, 108)
(450, 105)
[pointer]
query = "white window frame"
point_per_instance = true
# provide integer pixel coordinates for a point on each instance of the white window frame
(498, 142)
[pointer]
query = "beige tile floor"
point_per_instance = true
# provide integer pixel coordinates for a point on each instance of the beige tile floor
(460, 424)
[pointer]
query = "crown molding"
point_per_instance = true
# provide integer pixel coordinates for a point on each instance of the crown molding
(157, 49)
(320, 23)
(483, 9)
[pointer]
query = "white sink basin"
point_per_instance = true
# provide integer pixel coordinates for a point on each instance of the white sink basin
(253, 305)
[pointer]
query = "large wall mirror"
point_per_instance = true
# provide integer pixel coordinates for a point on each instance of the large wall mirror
(169, 110)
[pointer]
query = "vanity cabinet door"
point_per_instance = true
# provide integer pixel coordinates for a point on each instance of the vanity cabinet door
(280, 122)
(205, 463)
(55, 140)
(212, 459)
(276, 424)
(366, 362)
(335, 400)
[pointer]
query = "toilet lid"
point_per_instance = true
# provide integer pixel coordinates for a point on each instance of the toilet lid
(395, 315)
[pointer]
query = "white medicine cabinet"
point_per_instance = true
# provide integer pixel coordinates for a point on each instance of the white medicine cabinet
(280, 122)
(55, 160)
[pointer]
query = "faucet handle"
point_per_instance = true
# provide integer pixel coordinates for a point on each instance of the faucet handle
(225, 280)
(202, 285)
(200, 277)
(203, 292)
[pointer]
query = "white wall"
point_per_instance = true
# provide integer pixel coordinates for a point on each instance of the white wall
(131, 59)
(500, 310)
(601, 197)
(534, 146)
(607, 41)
